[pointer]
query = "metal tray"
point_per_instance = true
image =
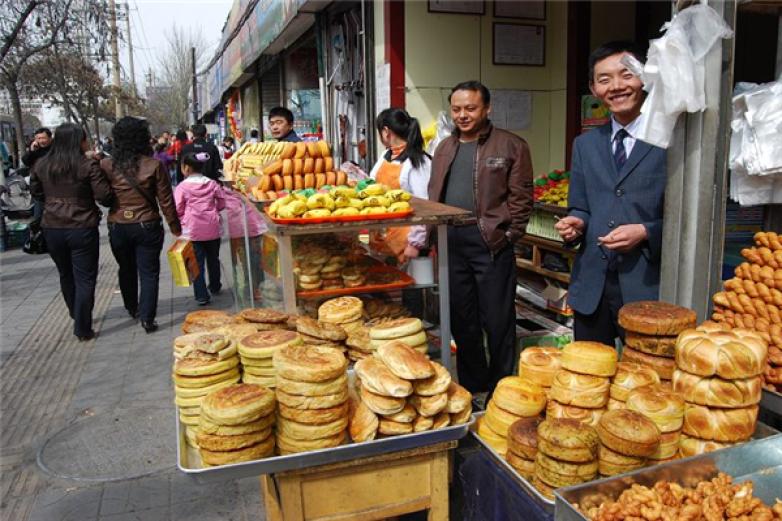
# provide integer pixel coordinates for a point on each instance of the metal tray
(545, 503)
(759, 460)
(189, 461)
(772, 401)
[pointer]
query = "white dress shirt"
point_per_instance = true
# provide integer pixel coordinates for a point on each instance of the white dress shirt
(629, 140)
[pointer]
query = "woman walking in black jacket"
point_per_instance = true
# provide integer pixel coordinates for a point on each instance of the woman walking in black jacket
(68, 184)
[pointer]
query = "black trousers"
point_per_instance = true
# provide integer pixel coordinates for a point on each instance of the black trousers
(137, 249)
(483, 290)
(602, 325)
(208, 257)
(75, 251)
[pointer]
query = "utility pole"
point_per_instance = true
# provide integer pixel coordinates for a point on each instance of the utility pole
(130, 53)
(195, 84)
(116, 86)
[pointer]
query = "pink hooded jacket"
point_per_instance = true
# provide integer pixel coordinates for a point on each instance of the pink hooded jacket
(233, 207)
(198, 203)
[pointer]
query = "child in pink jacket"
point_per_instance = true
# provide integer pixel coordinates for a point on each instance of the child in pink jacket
(198, 203)
(256, 227)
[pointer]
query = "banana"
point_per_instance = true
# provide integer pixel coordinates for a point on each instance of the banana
(318, 212)
(398, 195)
(285, 212)
(345, 211)
(343, 191)
(320, 201)
(274, 207)
(342, 202)
(297, 207)
(299, 196)
(284, 200)
(356, 203)
(400, 206)
(374, 189)
(372, 210)
(376, 200)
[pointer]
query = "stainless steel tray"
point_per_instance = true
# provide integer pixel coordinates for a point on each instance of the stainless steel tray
(771, 401)
(759, 460)
(189, 461)
(547, 504)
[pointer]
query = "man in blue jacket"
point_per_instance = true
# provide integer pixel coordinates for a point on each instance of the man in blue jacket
(617, 186)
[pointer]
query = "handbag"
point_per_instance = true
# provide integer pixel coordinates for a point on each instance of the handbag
(35, 243)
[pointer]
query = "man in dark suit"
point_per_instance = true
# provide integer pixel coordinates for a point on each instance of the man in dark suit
(617, 186)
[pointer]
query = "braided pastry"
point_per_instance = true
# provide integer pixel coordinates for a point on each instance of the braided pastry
(773, 375)
(775, 296)
(775, 331)
(740, 353)
(774, 355)
(752, 255)
(774, 314)
(720, 424)
(735, 284)
(777, 279)
(769, 240)
(721, 299)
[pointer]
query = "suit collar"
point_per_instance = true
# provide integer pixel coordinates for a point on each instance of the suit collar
(640, 150)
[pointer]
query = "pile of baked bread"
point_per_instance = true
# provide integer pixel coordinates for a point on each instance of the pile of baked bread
(753, 300)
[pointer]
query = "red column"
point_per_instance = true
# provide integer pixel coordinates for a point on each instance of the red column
(394, 30)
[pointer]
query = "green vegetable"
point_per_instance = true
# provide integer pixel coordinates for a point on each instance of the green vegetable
(364, 183)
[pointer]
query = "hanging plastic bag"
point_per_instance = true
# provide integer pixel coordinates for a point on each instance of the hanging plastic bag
(444, 128)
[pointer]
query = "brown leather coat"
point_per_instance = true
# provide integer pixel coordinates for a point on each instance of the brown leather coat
(130, 206)
(502, 183)
(70, 203)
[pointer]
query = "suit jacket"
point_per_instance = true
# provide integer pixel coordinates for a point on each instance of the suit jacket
(605, 199)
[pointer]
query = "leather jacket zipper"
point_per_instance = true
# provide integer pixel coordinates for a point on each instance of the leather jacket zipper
(476, 169)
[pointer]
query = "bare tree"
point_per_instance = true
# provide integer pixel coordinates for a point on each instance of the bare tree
(176, 71)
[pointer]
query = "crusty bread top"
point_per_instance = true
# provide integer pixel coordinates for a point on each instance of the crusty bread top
(205, 314)
(238, 398)
(569, 434)
(309, 363)
(656, 318)
(376, 376)
(404, 361)
(265, 315)
(630, 425)
(525, 431)
(273, 338)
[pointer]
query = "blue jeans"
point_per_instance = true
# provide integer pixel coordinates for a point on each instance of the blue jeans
(208, 257)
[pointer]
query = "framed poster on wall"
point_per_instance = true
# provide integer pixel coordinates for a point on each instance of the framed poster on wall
(526, 9)
(457, 6)
(519, 44)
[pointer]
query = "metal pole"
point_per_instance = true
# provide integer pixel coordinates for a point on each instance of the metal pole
(195, 84)
(115, 82)
(130, 53)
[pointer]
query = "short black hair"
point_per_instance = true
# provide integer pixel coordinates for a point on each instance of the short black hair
(254, 132)
(43, 130)
(199, 130)
(473, 85)
(611, 48)
(281, 112)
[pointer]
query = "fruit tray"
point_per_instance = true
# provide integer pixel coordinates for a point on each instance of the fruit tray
(341, 218)
(381, 271)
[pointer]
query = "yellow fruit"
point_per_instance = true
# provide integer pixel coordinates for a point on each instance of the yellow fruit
(372, 210)
(343, 191)
(398, 195)
(374, 189)
(297, 207)
(401, 206)
(345, 211)
(376, 200)
(319, 212)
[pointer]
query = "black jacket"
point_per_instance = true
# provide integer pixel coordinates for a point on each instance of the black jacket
(31, 156)
(212, 168)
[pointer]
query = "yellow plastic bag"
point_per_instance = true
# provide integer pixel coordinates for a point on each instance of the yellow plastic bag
(183, 263)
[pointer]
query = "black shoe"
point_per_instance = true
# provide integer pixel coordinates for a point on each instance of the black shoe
(149, 326)
(133, 314)
(204, 302)
(215, 291)
(87, 337)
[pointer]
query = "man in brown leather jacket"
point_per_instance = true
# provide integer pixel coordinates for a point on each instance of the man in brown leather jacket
(487, 171)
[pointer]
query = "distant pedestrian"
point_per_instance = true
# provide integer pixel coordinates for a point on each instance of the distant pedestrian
(214, 165)
(161, 155)
(68, 184)
(140, 184)
(227, 148)
(198, 204)
(175, 150)
(39, 147)
(254, 136)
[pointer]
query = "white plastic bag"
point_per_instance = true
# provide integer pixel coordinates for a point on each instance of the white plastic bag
(444, 129)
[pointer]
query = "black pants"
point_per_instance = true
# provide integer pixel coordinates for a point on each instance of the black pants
(483, 290)
(75, 252)
(602, 325)
(137, 249)
(208, 257)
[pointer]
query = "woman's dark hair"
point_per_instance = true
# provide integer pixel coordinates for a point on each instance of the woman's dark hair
(65, 155)
(159, 147)
(195, 160)
(131, 142)
(406, 127)
(181, 135)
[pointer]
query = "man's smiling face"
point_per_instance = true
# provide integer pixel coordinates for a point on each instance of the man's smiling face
(620, 89)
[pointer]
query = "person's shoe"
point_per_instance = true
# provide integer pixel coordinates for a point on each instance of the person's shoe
(204, 302)
(149, 326)
(216, 291)
(133, 314)
(87, 337)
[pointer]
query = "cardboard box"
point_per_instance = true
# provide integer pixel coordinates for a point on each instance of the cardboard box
(183, 262)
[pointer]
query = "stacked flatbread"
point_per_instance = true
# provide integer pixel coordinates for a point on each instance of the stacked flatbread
(666, 409)
(513, 399)
(205, 320)
(312, 396)
(323, 334)
(539, 365)
(342, 311)
(211, 364)
(378, 309)
(359, 344)
(408, 331)
(256, 352)
(264, 319)
(236, 425)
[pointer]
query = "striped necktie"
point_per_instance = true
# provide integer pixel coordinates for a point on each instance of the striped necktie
(620, 155)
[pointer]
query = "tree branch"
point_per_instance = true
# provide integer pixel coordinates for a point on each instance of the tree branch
(9, 41)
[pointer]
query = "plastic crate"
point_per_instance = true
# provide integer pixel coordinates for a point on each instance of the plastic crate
(541, 224)
(15, 238)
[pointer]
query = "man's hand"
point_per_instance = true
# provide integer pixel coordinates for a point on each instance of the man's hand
(34, 145)
(624, 238)
(410, 252)
(570, 228)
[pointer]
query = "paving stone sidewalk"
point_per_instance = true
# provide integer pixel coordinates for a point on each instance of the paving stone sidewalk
(87, 429)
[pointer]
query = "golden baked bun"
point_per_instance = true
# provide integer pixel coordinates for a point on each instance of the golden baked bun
(615, 404)
(322, 330)
(717, 392)
(664, 408)
(314, 416)
(581, 390)
(539, 364)
(499, 419)
(218, 442)
(312, 402)
(362, 422)
(263, 315)
(589, 358)
(336, 385)
(205, 315)
(459, 398)
(429, 405)
(555, 479)
(201, 366)
(309, 363)
(265, 343)
(289, 445)
(728, 354)
(392, 428)
(725, 425)
(193, 382)
(554, 409)
(567, 440)
(586, 471)
(523, 437)
(310, 431)
(435, 384)
(440, 420)
(404, 361)
(656, 318)
(406, 415)
(341, 310)
(207, 426)
(397, 328)
(462, 417)
(653, 345)
(690, 446)
(494, 440)
(519, 397)
(662, 366)
(383, 405)
(545, 490)
(669, 446)
(260, 450)
(525, 467)
(238, 403)
(423, 423)
(628, 432)
(629, 376)
(611, 463)
(376, 377)
(358, 340)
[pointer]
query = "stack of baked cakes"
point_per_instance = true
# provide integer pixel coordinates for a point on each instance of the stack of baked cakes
(581, 387)
(211, 365)
(264, 319)
(257, 350)
(629, 376)
(342, 311)
(719, 375)
(651, 329)
(236, 425)
(523, 445)
(312, 396)
(408, 331)
(378, 308)
(566, 455)
(459, 404)
(323, 334)
(205, 320)
(666, 409)
(513, 399)
(359, 345)
(627, 438)
(539, 365)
